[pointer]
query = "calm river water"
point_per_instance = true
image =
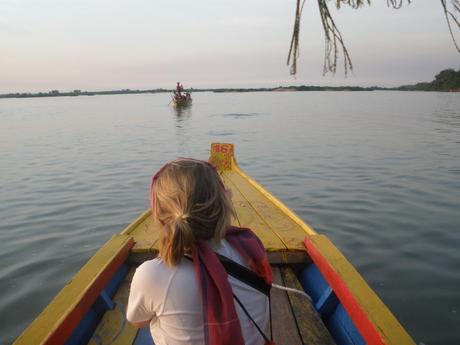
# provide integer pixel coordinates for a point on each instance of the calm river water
(378, 172)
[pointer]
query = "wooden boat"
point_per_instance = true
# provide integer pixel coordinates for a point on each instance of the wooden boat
(184, 101)
(344, 310)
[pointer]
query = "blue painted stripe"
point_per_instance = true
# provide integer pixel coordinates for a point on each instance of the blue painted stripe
(313, 282)
(103, 303)
(85, 329)
(325, 301)
(144, 337)
(342, 328)
(116, 281)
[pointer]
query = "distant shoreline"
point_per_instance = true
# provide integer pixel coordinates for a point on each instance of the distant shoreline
(447, 80)
(75, 93)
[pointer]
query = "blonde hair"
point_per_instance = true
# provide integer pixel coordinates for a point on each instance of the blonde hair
(190, 201)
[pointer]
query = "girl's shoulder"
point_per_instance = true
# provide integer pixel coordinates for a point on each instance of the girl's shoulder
(155, 278)
(153, 270)
(158, 270)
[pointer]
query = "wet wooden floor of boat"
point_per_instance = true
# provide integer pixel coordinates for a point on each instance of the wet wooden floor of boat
(281, 234)
(295, 321)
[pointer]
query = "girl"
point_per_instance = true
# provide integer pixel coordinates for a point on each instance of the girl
(185, 295)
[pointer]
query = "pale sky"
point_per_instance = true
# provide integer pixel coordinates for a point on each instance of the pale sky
(144, 44)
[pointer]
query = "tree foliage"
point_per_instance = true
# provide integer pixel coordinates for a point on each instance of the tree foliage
(446, 80)
(333, 38)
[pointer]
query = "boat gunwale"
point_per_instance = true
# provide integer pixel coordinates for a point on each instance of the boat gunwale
(374, 320)
(135, 223)
(73, 302)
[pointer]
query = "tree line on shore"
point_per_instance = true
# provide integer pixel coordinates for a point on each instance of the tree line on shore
(57, 93)
(446, 80)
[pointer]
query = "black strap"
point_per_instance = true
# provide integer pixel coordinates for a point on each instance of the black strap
(245, 275)
(253, 321)
(250, 278)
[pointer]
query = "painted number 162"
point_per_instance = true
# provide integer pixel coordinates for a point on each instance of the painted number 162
(221, 148)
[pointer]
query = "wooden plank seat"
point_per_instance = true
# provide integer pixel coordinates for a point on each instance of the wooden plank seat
(295, 320)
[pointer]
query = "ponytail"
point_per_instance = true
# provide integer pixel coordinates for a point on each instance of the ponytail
(177, 241)
(189, 199)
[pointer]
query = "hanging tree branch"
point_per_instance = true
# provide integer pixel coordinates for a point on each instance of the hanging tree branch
(294, 47)
(450, 16)
(333, 37)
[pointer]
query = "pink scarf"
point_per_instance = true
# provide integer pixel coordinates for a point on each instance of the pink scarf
(221, 323)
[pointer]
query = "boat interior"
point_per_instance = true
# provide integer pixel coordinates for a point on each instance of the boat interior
(342, 308)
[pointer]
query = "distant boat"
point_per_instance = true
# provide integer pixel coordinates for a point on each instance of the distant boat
(182, 100)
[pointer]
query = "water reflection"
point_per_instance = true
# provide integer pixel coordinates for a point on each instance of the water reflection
(446, 111)
(182, 113)
(182, 116)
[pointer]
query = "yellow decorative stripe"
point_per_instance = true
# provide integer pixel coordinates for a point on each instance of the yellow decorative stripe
(131, 227)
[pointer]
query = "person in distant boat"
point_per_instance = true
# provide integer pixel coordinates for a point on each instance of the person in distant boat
(179, 89)
(185, 295)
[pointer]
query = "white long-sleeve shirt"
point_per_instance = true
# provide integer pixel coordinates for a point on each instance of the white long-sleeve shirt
(170, 297)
